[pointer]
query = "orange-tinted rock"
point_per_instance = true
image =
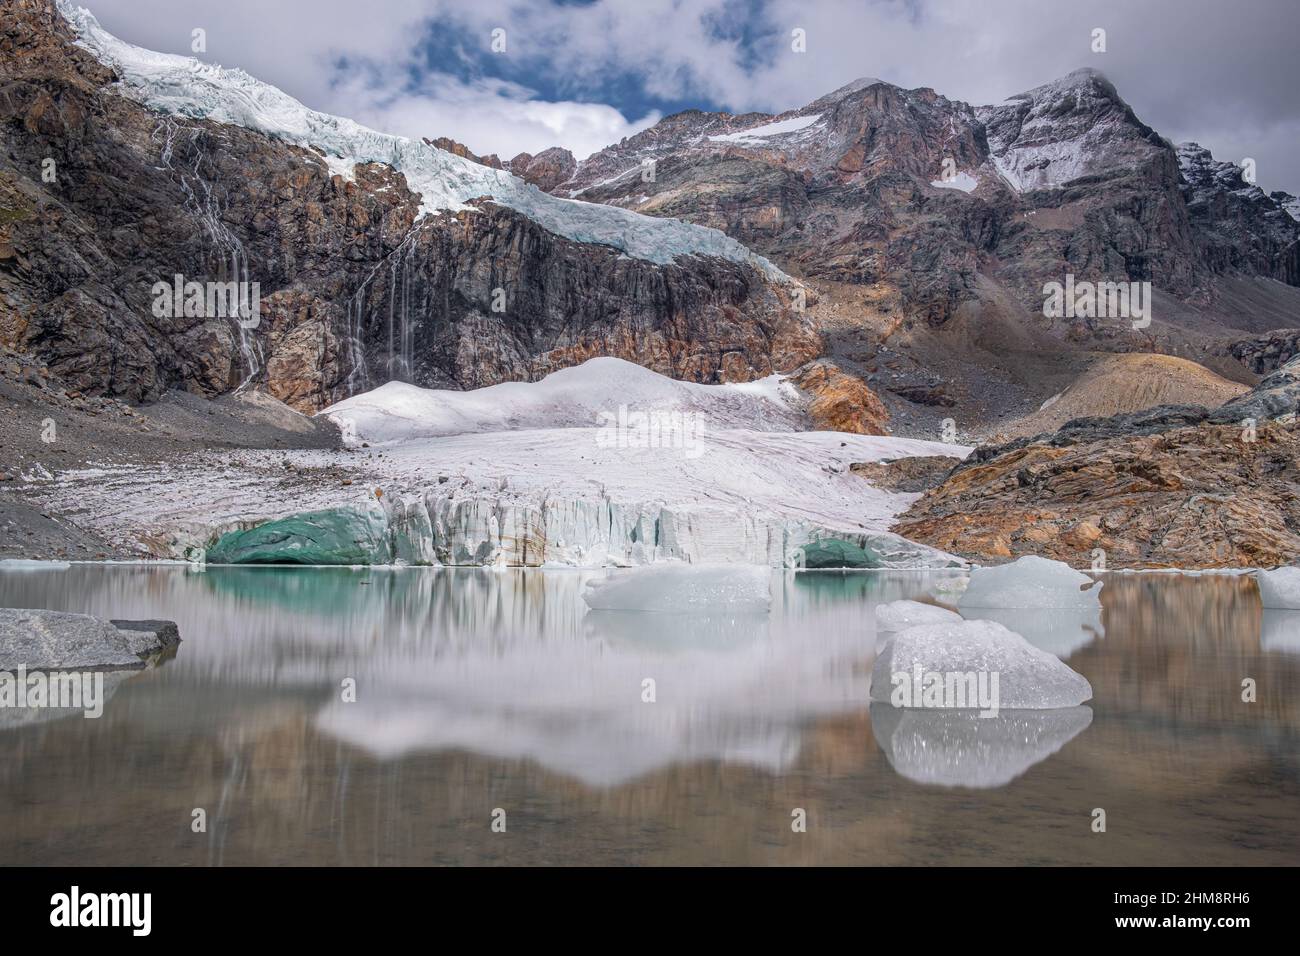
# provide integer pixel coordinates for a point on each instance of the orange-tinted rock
(841, 402)
(1192, 497)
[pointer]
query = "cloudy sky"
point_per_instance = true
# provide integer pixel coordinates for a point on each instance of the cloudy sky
(585, 73)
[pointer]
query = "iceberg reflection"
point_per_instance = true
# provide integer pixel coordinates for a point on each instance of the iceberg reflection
(958, 748)
(1279, 631)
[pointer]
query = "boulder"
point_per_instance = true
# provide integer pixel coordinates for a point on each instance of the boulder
(57, 640)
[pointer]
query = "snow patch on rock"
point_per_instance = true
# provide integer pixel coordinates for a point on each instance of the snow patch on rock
(778, 128)
(963, 181)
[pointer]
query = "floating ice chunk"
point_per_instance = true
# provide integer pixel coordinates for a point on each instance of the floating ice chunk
(1280, 588)
(900, 615)
(1031, 582)
(740, 589)
(24, 564)
(1027, 678)
(958, 748)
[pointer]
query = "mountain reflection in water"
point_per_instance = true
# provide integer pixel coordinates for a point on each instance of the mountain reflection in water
(479, 689)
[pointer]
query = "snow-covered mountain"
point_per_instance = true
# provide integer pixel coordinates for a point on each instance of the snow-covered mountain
(939, 206)
(184, 86)
(377, 257)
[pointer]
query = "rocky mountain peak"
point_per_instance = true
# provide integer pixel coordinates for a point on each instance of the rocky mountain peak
(1243, 226)
(375, 257)
(547, 169)
(491, 160)
(848, 89)
(1074, 127)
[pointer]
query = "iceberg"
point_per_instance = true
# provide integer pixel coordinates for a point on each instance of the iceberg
(1280, 588)
(33, 564)
(1027, 678)
(900, 615)
(1031, 582)
(958, 748)
(683, 588)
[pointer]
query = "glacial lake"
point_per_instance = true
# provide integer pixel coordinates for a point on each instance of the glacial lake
(496, 695)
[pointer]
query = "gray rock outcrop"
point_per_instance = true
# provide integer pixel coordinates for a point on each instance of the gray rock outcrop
(57, 640)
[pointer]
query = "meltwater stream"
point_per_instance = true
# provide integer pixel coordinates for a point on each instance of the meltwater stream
(480, 691)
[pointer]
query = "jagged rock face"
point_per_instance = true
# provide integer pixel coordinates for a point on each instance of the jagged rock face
(1077, 127)
(1240, 227)
(491, 160)
(355, 287)
(1265, 353)
(547, 169)
(833, 193)
(911, 475)
(1170, 487)
(1061, 179)
(1190, 498)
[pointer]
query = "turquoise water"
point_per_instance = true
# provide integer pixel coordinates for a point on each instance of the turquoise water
(485, 696)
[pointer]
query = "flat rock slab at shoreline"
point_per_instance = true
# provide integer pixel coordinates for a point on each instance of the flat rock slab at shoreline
(58, 640)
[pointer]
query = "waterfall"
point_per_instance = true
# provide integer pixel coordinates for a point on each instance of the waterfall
(400, 362)
(203, 202)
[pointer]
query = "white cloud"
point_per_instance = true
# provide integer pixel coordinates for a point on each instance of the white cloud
(1208, 70)
(488, 116)
(339, 58)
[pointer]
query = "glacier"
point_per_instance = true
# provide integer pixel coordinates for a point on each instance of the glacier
(756, 134)
(185, 86)
(580, 396)
(449, 481)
